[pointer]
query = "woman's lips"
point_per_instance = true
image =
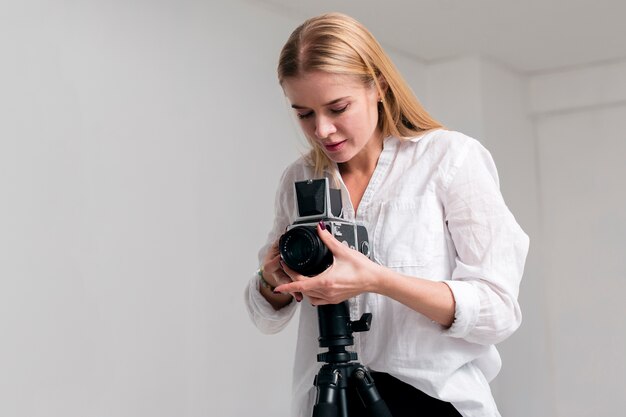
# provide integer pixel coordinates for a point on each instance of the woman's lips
(334, 147)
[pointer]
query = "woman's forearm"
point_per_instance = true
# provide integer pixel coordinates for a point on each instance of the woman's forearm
(433, 299)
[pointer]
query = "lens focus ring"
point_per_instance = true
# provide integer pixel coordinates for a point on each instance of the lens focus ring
(303, 251)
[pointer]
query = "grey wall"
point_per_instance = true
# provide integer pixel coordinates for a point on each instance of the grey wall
(578, 116)
(484, 99)
(140, 146)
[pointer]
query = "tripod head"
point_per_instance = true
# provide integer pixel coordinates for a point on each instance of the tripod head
(336, 330)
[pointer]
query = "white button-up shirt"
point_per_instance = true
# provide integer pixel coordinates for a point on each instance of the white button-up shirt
(433, 209)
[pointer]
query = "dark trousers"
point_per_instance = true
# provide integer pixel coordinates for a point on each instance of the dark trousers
(402, 399)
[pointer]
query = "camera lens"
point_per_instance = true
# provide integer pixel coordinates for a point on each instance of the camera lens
(304, 252)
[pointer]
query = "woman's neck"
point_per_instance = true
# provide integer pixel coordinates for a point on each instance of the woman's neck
(357, 172)
(364, 163)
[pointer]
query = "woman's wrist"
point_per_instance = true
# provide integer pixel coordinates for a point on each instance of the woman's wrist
(276, 300)
(268, 289)
(264, 283)
(376, 274)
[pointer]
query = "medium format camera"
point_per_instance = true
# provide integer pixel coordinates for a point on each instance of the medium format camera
(300, 247)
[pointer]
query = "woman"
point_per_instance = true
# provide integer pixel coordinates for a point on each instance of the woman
(447, 256)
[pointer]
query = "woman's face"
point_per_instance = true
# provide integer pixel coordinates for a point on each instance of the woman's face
(336, 111)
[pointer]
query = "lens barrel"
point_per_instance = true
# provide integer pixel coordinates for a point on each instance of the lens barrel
(304, 252)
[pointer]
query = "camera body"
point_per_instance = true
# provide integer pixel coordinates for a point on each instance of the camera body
(300, 246)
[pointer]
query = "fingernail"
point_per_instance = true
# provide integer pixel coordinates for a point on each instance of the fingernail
(277, 292)
(322, 225)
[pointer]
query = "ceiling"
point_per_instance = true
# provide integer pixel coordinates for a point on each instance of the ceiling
(529, 36)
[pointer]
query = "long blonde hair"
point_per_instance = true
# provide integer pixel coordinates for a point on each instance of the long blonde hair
(338, 44)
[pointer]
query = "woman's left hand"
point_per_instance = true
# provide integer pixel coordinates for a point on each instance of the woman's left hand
(351, 274)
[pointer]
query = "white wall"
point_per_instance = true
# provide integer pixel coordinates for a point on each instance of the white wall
(483, 99)
(453, 94)
(560, 150)
(140, 146)
(579, 116)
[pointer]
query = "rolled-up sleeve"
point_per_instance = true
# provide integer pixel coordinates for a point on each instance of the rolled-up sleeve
(491, 251)
(263, 315)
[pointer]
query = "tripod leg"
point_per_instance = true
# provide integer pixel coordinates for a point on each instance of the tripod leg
(372, 400)
(331, 394)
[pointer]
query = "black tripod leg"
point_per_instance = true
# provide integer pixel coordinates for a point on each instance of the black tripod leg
(331, 398)
(372, 400)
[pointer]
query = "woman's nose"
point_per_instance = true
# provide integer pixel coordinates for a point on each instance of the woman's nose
(324, 127)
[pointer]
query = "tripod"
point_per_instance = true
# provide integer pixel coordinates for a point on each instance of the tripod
(341, 369)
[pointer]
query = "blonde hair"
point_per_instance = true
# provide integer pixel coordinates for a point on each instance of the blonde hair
(338, 44)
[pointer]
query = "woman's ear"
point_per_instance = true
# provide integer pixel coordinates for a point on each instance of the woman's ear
(383, 86)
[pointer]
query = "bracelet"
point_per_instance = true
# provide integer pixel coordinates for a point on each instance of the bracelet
(262, 280)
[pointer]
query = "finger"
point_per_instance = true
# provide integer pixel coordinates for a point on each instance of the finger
(329, 240)
(292, 287)
(275, 263)
(274, 249)
(292, 274)
(282, 278)
(272, 269)
(308, 286)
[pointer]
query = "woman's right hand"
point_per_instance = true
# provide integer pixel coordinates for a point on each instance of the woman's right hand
(273, 271)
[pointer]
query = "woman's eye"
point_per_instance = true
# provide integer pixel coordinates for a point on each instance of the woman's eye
(340, 110)
(333, 111)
